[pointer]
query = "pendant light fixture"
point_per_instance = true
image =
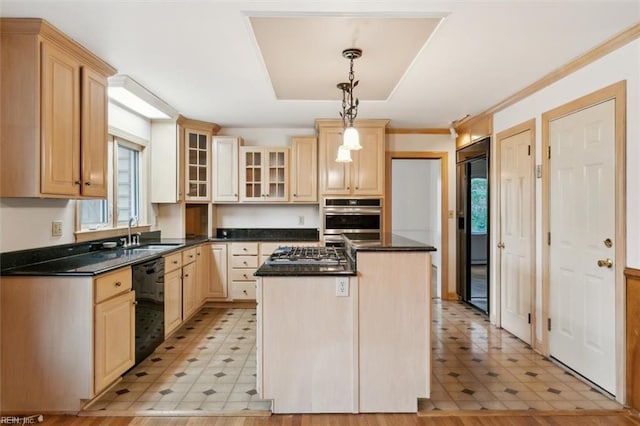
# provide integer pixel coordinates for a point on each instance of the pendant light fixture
(350, 136)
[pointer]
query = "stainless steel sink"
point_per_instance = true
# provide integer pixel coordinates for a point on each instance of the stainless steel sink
(153, 247)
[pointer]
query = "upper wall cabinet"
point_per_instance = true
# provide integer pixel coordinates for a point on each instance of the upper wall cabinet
(264, 174)
(181, 160)
(53, 114)
(304, 169)
(364, 176)
(225, 168)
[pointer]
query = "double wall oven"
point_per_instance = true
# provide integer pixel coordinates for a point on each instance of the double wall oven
(359, 218)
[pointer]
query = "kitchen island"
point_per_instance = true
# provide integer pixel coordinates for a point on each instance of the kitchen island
(358, 342)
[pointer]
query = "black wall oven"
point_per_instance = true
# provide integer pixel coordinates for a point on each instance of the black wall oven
(359, 218)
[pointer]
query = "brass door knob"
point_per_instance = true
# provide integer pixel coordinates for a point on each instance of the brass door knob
(605, 262)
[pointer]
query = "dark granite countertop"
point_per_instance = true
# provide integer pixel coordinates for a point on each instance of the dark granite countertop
(266, 234)
(305, 270)
(388, 242)
(99, 261)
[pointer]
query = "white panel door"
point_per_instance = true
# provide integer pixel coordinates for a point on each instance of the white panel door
(516, 266)
(582, 218)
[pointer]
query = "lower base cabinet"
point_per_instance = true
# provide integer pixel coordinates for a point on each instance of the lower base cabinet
(217, 287)
(114, 339)
(172, 301)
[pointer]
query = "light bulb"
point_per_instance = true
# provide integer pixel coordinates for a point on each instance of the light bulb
(344, 155)
(351, 139)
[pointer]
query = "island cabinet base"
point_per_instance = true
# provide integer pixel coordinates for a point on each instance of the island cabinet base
(368, 351)
(307, 345)
(394, 305)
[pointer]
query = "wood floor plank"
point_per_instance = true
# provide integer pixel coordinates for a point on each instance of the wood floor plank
(616, 418)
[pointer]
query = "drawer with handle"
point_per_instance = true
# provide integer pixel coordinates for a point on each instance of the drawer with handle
(112, 283)
(244, 261)
(243, 290)
(188, 256)
(243, 274)
(172, 262)
(244, 249)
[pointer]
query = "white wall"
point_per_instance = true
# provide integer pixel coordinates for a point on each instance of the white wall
(267, 136)
(416, 206)
(435, 143)
(26, 223)
(622, 64)
(266, 216)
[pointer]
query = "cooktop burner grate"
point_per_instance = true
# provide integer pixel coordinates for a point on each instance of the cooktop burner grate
(306, 256)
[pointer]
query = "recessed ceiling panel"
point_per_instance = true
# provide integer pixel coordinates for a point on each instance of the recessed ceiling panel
(303, 54)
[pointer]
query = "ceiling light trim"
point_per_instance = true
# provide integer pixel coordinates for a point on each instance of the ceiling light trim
(138, 99)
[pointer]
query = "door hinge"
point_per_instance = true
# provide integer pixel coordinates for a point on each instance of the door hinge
(529, 150)
(548, 238)
(549, 152)
(549, 324)
(529, 318)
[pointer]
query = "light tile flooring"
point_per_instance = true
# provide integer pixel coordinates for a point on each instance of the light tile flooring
(478, 366)
(209, 366)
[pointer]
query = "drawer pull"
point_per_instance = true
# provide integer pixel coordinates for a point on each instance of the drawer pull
(191, 256)
(118, 283)
(244, 249)
(175, 262)
(244, 262)
(245, 275)
(245, 292)
(186, 275)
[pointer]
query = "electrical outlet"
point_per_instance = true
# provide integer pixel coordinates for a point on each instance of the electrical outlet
(300, 220)
(342, 286)
(56, 228)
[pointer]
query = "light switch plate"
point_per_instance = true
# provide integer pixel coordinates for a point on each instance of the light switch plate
(56, 228)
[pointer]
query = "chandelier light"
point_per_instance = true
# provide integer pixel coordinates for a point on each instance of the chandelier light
(351, 138)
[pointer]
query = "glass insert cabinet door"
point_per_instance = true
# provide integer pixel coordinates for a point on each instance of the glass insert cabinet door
(264, 173)
(197, 166)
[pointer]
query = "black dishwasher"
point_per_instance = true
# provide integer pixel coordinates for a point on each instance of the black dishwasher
(148, 283)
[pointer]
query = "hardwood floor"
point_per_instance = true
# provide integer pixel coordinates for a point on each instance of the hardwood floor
(609, 418)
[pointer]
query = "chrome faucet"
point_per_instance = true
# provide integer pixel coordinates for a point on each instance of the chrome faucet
(129, 240)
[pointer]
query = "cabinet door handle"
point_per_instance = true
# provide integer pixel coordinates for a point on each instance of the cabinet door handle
(235, 195)
(77, 182)
(135, 302)
(357, 187)
(190, 256)
(175, 262)
(295, 195)
(186, 275)
(244, 249)
(118, 283)
(88, 183)
(245, 275)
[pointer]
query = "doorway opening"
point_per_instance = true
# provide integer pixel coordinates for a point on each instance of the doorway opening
(416, 207)
(473, 224)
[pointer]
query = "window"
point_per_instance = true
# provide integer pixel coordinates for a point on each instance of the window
(478, 206)
(124, 197)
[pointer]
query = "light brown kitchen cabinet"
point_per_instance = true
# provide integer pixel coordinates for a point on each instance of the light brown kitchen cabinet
(80, 332)
(197, 166)
(53, 114)
(203, 255)
(189, 283)
(172, 292)
(225, 168)
(114, 327)
(243, 262)
(218, 272)
(264, 174)
(114, 339)
(364, 176)
(304, 169)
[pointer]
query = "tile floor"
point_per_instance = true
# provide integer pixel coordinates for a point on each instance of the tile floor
(209, 366)
(478, 366)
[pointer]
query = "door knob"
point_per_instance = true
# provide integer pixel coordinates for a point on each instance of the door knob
(501, 245)
(605, 262)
